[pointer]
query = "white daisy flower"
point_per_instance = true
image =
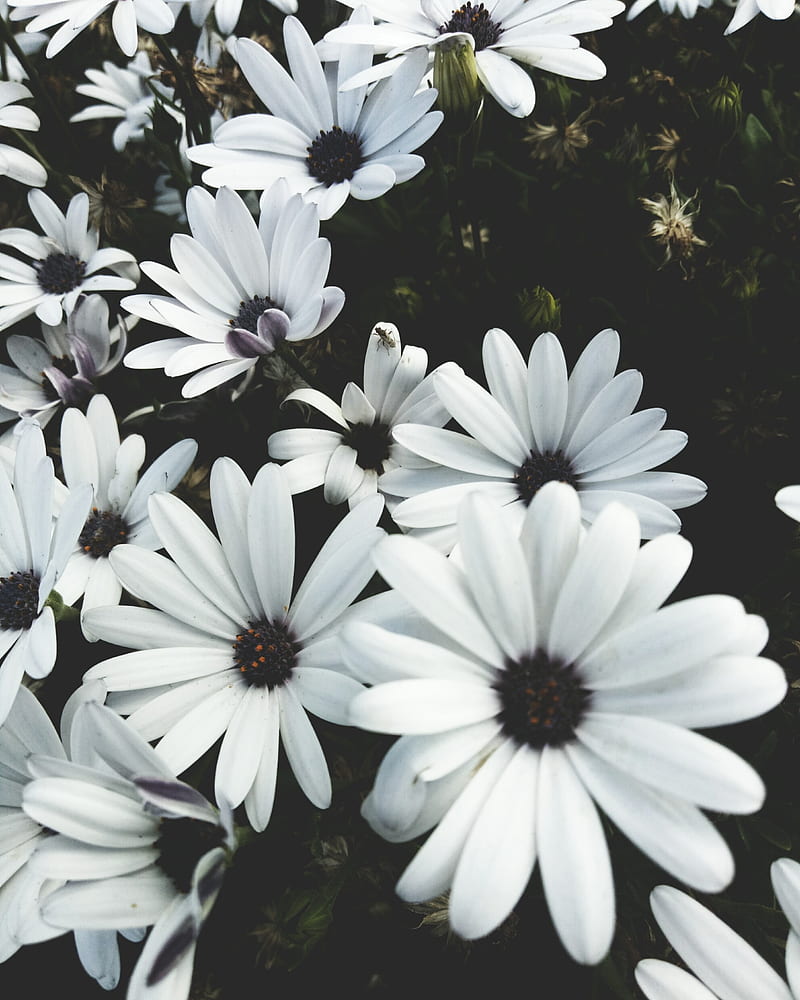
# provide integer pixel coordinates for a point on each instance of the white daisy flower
(91, 452)
(537, 424)
(66, 262)
(686, 8)
(788, 500)
(134, 846)
(33, 554)
(226, 651)
(27, 734)
(226, 12)
(326, 143)
(746, 10)
(62, 368)
(722, 964)
(349, 460)
(240, 288)
(561, 682)
(127, 93)
(72, 16)
(16, 163)
(502, 32)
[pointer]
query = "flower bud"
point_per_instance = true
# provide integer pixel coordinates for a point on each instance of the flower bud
(723, 104)
(540, 311)
(455, 76)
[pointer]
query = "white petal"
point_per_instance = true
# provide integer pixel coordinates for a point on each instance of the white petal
(438, 590)
(676, 760)
(547, 391)
(303, 749)
(103, 904)
(659, 980)
(260, 798)
(721, 959)
(495, 564)
(240, 754)
(423, 706)
(668, 641)
(271, 539)
(500, 851)
(607, 553)
(431, 870)
(574, 861)
(675, 834)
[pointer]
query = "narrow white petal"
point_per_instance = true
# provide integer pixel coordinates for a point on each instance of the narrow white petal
(239, 754)
(423, 706)
(729, 966)
(574, 862)
(199, 728)
(547, 391)
(439, 591)
(608, 553)
(104, 904)
(674, 833)
(259, 800)
(668, 641)
(432, 869)
(88, 812)
(303, 749)
(676, 760)
(495, 565)
(661, 981)
(499, 854)
(325, 693)
(270, 535)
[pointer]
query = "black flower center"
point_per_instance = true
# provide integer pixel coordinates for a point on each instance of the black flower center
(247, 317)
(265, 654)
(476, 22)
(540, 468)
(181, 843)
(59, 273)
(103, 530)
(371, 443)
(543, 700)
(19, 600)
(334, 156)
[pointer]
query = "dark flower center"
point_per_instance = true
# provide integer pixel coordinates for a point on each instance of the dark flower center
(247, 317)
(334, 156)
(371, 443)
(181, 843)
(103, 530)
(543, 700)
(474, 21)
(265, 654)
(540, 468)
(59, 273)
(19, 600)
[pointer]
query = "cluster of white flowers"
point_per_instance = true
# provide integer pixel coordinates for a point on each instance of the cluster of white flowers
(518, 640)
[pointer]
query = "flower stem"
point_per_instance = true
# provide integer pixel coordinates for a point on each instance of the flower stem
(285, 352)
(441, 173)
(197, 123)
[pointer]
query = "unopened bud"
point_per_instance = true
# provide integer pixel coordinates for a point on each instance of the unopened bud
(540, 311)
(723, 103)
(455, 76)
(742, 281)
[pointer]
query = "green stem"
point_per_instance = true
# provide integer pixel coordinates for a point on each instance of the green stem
(197, 123)
(441, 173)
(285, 352)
